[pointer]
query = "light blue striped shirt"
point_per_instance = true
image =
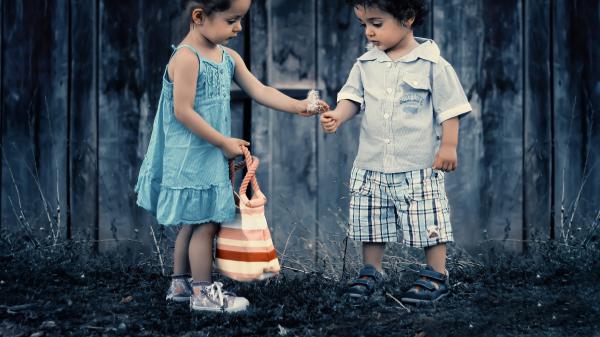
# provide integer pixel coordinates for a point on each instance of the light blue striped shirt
(404, 103)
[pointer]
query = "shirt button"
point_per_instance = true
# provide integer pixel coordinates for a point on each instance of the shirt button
(386, 116)
(389, 65)
(415, 82)
(390, 90)
(387, 141)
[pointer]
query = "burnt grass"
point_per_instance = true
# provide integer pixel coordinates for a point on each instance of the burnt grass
(69, 291)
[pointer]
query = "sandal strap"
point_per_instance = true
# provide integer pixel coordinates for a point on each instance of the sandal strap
(362, 282)
(425, 284)
(370, 271)
(433, 275)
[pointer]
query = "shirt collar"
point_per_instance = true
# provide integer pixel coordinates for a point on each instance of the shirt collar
(427, 50)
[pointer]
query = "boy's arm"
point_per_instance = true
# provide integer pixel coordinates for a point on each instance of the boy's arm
(345, 110)
(446, 158)
(265, 95)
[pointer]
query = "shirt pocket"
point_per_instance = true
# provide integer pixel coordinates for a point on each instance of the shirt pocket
(415, 88)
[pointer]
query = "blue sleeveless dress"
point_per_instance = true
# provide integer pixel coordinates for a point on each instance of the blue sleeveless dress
(184, 179)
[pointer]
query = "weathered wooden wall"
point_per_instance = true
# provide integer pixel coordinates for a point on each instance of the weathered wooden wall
(80, 83)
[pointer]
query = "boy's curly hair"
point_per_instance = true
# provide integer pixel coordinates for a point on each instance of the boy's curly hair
(402, 10)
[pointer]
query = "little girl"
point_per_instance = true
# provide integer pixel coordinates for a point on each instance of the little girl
(184, 176)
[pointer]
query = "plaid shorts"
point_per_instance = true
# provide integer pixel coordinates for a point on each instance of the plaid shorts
(413, 204)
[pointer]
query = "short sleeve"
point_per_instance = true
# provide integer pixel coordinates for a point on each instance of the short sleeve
(353, 89)
(448, 97)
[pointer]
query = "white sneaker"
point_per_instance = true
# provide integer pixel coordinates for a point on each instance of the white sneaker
(213, 298)
(180, 290)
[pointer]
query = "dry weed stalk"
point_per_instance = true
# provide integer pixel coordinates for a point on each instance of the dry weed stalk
(158, 252)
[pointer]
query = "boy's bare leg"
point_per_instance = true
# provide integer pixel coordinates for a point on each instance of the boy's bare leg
(201, 251)
(181, 263)
(373, 254)
(436, 257)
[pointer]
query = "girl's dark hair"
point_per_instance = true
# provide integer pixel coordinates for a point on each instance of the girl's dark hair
(209, 7)
(402, 10)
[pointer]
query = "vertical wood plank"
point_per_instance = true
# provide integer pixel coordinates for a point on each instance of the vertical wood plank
(340, 41)
(486, 191)
(83, 135)
(286, 143)
(119, 93)
(260, 141)
(576, 119)
(294, 173)
(134, 53)
(34, 82)
(2, 199)
(537, 121)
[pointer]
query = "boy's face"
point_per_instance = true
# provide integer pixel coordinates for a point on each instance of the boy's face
(382, 29)
(220, 27)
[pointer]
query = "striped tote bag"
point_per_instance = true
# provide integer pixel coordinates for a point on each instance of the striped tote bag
(245, 251)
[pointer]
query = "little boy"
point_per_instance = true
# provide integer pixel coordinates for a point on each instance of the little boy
(411, 99)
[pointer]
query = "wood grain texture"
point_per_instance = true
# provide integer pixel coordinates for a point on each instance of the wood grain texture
(83, 135)
(133, 56)
(34, 112)
(340, 41)
(537, 121)
(80, 89)
(290, 148)
(483, 42)
(576, 118)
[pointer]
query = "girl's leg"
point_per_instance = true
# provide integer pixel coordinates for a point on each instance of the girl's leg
(201, 251)
(180, 289)
(181, 265)
(208, 296)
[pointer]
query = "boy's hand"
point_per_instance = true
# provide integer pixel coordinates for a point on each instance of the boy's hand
(232, 147)
(330, 121)
(445, 159)
(304, 110)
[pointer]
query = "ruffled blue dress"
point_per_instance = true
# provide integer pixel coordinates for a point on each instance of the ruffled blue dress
(184, 179)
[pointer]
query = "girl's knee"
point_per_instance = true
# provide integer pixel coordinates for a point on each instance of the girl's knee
(209, 228)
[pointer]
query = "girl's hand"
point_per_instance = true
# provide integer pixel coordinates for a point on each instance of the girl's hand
(330, 121)
(232, 147)
(303, 110)
(445, 159)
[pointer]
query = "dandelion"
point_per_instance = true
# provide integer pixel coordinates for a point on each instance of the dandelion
(313, 101)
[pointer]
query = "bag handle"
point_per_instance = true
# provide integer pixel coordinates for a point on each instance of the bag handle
(251, 163)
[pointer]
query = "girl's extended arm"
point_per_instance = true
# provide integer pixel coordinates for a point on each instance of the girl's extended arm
(265, 95)
(185, 75)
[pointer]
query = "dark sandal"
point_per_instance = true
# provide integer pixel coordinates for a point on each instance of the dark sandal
(430, 287)
(368, 282)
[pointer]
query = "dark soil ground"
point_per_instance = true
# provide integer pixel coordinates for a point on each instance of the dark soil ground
(65, 292)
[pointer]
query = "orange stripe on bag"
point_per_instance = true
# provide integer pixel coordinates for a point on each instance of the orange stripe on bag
(241, 249)
(246, 256)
